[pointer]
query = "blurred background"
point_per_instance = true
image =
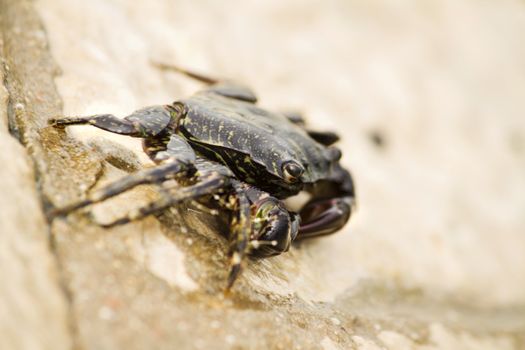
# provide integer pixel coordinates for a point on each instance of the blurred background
(429, 100)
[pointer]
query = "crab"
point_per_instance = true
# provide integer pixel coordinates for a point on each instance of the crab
(227, 152)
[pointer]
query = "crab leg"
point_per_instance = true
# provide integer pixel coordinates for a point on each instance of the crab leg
(241, 235)
(207, 185)
(225, 88)
(178, 158)
(326, 138)
(197, 76)
(145, 122)
(103, 121)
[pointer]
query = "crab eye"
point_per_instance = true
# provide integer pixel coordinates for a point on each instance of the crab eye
(292, 171)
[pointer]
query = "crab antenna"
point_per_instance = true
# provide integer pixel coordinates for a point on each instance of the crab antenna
(197, 76)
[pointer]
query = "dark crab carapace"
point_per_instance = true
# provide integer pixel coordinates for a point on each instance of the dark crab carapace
(220, 142)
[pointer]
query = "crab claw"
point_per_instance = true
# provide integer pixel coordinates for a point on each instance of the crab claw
(323, 217)
(332, 203)
(274, 228)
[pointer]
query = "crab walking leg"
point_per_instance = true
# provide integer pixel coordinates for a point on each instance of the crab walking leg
(240, 236)
(294, 117)
(326, 138)
(222, 87)
(208, 185)
(157, 174)
(106, 122)
(197, 76)
(178, 158)
(145, 122)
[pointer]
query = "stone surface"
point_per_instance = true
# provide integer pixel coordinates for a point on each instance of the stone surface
(429, 99)
(34, 310)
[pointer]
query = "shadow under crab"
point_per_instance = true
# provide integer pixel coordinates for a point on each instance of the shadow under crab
(228, 153)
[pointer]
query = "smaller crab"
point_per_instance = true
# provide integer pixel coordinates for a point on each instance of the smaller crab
(227, 153)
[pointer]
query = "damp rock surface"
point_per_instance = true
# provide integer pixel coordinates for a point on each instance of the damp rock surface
(428, 99)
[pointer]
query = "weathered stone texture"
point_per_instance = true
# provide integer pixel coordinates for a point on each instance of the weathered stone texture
(429, 100)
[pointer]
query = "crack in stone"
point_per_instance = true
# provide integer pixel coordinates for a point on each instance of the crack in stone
(15, 112)
(11, 124)
(98, 176)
